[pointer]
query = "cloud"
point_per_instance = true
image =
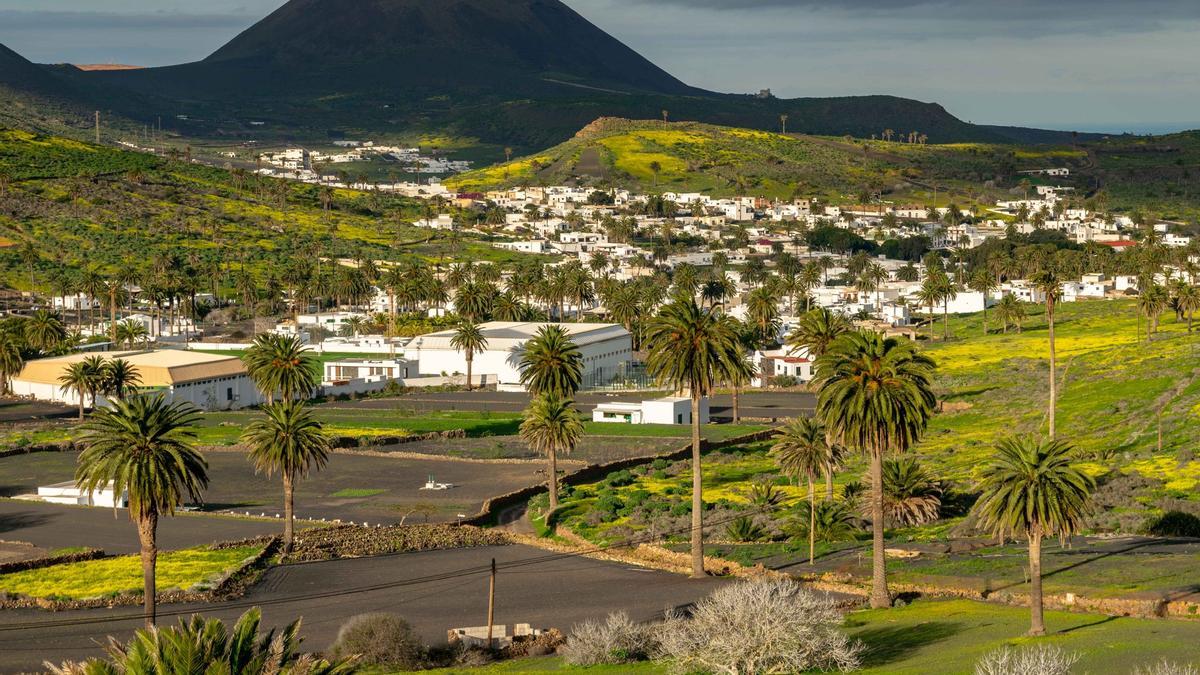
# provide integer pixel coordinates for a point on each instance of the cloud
(77, 20)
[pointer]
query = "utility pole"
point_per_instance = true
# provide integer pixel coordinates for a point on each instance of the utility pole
(491, 603)
(97, 127)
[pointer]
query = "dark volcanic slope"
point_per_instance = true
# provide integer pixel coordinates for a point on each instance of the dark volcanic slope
(343, 47)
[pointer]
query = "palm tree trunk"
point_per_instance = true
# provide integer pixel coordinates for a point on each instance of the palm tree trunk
(82, 397)
(946, 321)
(879, 591)
(697, 493)
(1053, 379)
(288, 513)
(147, 533)
(828, 484)
(553, 457)
(1037, 625)
(812, 519)
(737, 409)
(470, 357)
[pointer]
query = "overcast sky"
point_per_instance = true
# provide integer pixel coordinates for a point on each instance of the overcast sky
(1112, 65)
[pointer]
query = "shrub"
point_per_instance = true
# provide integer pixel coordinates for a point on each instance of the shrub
(615, 640)
(769, 626)
(609, 504)
(744, 529)
(1174, 524)
(1038, 660)
(619, 478)
(659, 464)
(1166, 667)
(380, 639)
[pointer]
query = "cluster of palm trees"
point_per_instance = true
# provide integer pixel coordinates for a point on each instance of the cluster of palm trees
(93, 376)
(144, 446)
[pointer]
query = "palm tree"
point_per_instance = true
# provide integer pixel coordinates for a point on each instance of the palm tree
(551, 427)
(1050, 285)
(468, 339)
(1153, 302)
(691, 348)
(551, 363)
(875, 396)
(287, 439)
(762, 309)
(1031, 487)
(131, 331)
(1010, 310)
(802, 449)
(281, 364)
(910, 496)
(11, 360)
(119, 378)
(84, 377)
(983, 282)
(143, 447)
(816, 330)
(1187, 300)
(44, 331)
(199, 645)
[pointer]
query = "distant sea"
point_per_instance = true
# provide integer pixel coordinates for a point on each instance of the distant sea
(1154, 128)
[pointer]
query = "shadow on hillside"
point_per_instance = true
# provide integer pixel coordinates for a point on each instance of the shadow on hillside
(885, 645)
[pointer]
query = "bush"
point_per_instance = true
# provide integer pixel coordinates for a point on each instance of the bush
(619, 478)
(1174, 524)
(774, 626)
(615, 640)
(1039, 660)
(380, 639)
(1166, 667)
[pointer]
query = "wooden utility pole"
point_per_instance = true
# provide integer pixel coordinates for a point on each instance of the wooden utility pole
(97, 127)
(491, 603)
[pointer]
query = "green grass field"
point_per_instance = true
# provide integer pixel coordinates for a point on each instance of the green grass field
(177, 570)
(947, 637)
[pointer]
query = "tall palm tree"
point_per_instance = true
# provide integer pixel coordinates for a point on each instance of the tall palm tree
(551, 427)
(289, 440)
(876, 396)
(1153, 302)
(469, 339)
(983, 282)
(44, 331)
(1010, 310)
(1187, 301)
(691, 348)
(143, 447)
(816, 330)
(801, 448)
(1048, 282)
(281, 364)
(11, 360)
(1032, 487)
(120, 378)
(85, 378)
(551, 363)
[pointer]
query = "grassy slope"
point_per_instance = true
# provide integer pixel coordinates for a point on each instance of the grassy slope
(948, 637)
(1135, 173)
(92, 206)
(179, 570)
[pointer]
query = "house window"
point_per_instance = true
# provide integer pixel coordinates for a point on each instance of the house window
(229, 393)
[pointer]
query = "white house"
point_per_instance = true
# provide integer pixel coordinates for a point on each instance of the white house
(70, 493)
(669, 410)
(603, 346)
(347, 370)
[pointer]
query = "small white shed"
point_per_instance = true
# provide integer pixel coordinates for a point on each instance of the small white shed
(70, 493)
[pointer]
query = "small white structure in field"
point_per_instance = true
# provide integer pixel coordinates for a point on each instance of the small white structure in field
(431, 484)
(669, 410)
(70, 493)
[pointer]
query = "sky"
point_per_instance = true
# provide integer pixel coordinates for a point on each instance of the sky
(1087, 65)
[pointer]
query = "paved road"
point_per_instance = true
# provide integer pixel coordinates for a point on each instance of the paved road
(558, 593)
(753, 404)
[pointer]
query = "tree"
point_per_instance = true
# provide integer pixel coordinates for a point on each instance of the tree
(983, 282)
(201, 645)
(468, 338)
(801, 448)
(655, 168)
(1010, 311)
(11, 360)
(143, 447)
(1153, 301)
(289, 440)
(816, 331)
(1187, 301)
(130, 332)
(119, 378)
(876, 396)
(762, 309)
(551, 363)
(910, 496)
(551, 427)
(44, 331)
(84, 377)
(691, 348)
(1047, 282)
(1032, 487)
(281, 364)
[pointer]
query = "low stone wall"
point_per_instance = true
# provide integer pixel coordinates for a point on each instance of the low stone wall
(65, 446)
(38, 563)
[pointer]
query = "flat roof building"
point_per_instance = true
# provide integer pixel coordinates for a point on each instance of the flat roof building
(208, 381)
(603, 346)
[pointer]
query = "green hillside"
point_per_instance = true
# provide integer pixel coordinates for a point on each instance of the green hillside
(82, 206)
(1123, 173)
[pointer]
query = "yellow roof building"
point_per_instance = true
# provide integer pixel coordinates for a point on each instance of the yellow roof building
(162, 368)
